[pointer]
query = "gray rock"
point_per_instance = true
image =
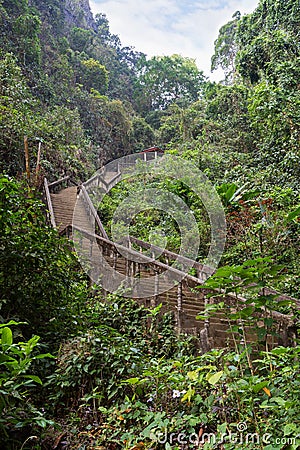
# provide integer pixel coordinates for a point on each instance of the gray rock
(78, 14)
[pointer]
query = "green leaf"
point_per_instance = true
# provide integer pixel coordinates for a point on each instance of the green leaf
(193, 421)
(42, 422)
(188, 395)
(247, 312)
(44, 355)
(279, 351)
(292, 215)
(6, 336)
(193, 375)
(131, 381)
(290, 428)
(222, 428)
(280, 401)
(214, 378)
(199, 317)
(259, 386)
(34, 378)
(4, 358)
(230, 192)
(103, 410)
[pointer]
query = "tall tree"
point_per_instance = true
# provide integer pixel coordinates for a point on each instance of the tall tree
(267, 36)
(163, 80)
(226, 48)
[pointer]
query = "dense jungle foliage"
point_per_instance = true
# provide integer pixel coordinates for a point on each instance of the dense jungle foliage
(80, 371)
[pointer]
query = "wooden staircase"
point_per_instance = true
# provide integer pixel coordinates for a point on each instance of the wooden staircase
(101, 258)
(63, 207)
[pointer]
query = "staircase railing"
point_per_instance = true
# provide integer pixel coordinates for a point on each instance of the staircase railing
(128, 256)
(92, 210)
(202, 271)
(182, 306)
(51, 216)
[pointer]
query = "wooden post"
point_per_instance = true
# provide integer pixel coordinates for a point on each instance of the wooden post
(179, 308)
(115, 257)
(156, 286)
(128, 267)
(91, 248)
(204, 333)
(134, 269)
(37, 169)
(154, 298)
(27, 157)
(138, 269)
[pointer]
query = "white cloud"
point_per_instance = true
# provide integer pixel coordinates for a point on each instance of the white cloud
(165, 27)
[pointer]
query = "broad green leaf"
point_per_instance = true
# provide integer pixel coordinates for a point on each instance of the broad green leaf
(290, 428)
(34, 378)
(229, 194)
(199, 317)
(5, 358)
(279, 351)
(42, 422)
(222, 428)
(292, 215)
(247, 312)
(259, 386)
(214, 378)
(280, 401)
(177, 364)
(6, 336)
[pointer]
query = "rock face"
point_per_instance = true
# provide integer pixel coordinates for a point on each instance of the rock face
(78, 14)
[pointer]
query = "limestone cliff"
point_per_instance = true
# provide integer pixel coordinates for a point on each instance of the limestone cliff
(63, 15)
(78, 14)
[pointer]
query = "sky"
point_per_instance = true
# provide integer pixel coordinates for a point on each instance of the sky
(166, 27)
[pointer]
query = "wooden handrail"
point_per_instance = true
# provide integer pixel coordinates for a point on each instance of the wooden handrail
(161, 266)
(56, 183)
(93, 211)
(90, 180)
(112, 181)
(142, 258)
(107, 184)
(201, 267)
(49, 203)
